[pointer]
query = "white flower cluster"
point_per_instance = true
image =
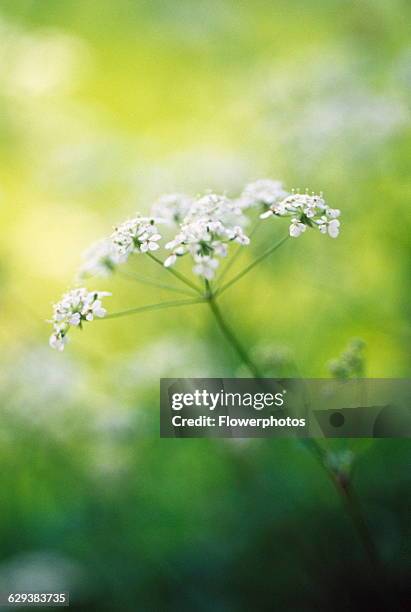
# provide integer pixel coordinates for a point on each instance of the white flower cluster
(137, 235)
(172, 208)
(205, 234)
(306, 211)
(264, 192)
(100, 259)
(212, 206)
(206, 226)
(76, 306)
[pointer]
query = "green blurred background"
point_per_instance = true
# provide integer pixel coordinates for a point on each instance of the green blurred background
(105, 106)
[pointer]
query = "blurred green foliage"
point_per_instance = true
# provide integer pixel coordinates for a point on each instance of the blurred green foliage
(104, 106)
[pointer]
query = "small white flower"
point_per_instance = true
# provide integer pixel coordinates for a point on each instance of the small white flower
(172, 208)
(57, 341)
(333, 213)
(76, 306)
(138, 235)
(238, 235)
(171, 259)
(266, 214)
(100, 259)
(219, 248)
(74, 319)
(296, 228)
(206, 232)
(95, 310)
(212, 205)
(264, 191)
(333, 228)
(330, 227)
(306, 211)
(206, 267)
(149, 242)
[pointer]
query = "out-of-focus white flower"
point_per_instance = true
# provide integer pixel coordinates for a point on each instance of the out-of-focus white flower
(205, 266)
(76, 306)
(330, 227)
(306, 211)
(333, 213)
(296, 228)
(58, 340)
(265, 192)
(211, 206)
(172, 208)
(171, 259)
(138, 235)
(100, 259)
(217, 208)
(205, 234)
(238, 235)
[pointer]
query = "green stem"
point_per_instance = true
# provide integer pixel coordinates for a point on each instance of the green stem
(178, 275)
(149, 307)
(238, 252)
(344, 488)
(252, 265)
(352, 504)
(343, 485)
(231, 338)
(147, 281)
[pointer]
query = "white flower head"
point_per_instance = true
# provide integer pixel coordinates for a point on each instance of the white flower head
(296, 228)
(238, 235)
(305, 211)
(265, 192)
(58, 340)
(75, 307)
(210, 206)
(100, 259)
(137, 235)
(205, 234)
(172, 208)
(329, 226)
(205, 266)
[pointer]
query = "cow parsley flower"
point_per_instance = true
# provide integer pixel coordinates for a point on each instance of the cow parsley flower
(205, 234)
(297, 228)
(75, 307)
(237, 234)
(264, 192)
(172, 208)
(205, 266)
(100, 259)
(138, 235)
(213, 207)
(306, 211)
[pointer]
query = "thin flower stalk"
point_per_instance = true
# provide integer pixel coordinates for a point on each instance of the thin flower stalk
(177, 274)
(152, 307)
(236, 254)
(152, 283)
(252, 265)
